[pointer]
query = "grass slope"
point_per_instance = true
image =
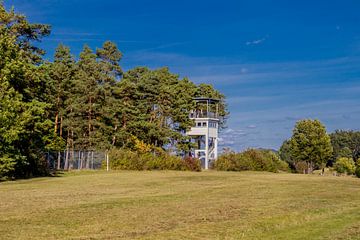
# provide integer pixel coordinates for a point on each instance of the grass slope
(181, 205)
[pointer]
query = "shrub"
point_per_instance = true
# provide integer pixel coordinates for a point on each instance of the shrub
(344, 165)
(251, 160)
(301, 167)
(165, 163)
(282, 166)
(7, 165)
(357, 171)
(192, 164)
(226, 162)
(123, 159)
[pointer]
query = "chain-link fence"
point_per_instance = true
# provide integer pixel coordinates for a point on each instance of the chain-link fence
(76, 160)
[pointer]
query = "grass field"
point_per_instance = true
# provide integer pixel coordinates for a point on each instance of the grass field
(181, 205)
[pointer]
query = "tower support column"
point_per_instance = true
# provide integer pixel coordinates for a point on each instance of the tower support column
(207, 151)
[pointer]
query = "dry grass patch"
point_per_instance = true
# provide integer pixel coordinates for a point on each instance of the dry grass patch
(181, 205)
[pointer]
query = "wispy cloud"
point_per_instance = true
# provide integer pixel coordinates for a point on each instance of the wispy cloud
(163, 46)
(256, 42)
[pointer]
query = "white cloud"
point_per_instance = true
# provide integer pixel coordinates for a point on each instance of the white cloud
(255, 42)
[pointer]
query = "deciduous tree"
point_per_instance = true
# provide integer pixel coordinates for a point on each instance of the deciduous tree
(310, 143)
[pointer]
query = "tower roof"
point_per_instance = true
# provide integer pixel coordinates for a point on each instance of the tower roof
(206, 99)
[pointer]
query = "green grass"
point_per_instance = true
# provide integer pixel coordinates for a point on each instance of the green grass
(181, 205)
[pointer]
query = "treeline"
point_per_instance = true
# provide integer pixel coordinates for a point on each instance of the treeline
(83, 103)
(311, 148)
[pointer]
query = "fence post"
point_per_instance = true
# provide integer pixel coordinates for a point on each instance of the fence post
(107, 162)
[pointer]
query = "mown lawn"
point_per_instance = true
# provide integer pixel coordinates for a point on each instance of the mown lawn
(181, 205)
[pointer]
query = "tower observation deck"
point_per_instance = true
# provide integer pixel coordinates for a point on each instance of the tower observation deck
(205, 130)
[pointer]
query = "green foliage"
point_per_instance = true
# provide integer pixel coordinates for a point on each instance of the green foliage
(345, 165)
(16, 26)
(345, 152)
(89, 103)
(164, 163)
(310, 144)
(285, 153)
(7, 165)
(24, 124)
(357, 170)
(227, 162)
(345, 144)
(251, 160)
(124, 159)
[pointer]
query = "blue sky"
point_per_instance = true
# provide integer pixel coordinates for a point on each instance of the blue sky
(276, 61)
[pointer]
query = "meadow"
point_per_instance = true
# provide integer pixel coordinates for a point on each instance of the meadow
(181, 205)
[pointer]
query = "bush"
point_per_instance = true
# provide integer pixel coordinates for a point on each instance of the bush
(357, 171)
(193, 164)
(301, 167)
(344, 165)
(251, 160)
(123, 159)
(226, 162)
(164, 163)
(7, 165)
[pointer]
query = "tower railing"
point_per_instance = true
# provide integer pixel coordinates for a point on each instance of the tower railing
(203, 115)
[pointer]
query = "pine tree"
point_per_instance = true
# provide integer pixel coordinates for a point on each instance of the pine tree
(86, 100)
(61, 72)
(109, 57)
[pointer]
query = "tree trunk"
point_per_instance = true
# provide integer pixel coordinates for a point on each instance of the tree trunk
(61, 126)
(310, 167)
(56, 122)
(57, 111)
(114, 137)
(66, 164)
(72, 150)
(89, 118)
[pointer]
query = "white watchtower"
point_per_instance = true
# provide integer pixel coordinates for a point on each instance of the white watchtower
(205, 131)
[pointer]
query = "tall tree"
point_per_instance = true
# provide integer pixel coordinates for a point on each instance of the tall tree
(311, 144)
(61, 73)
(109, 57)
(87, 100)
(24, 125)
